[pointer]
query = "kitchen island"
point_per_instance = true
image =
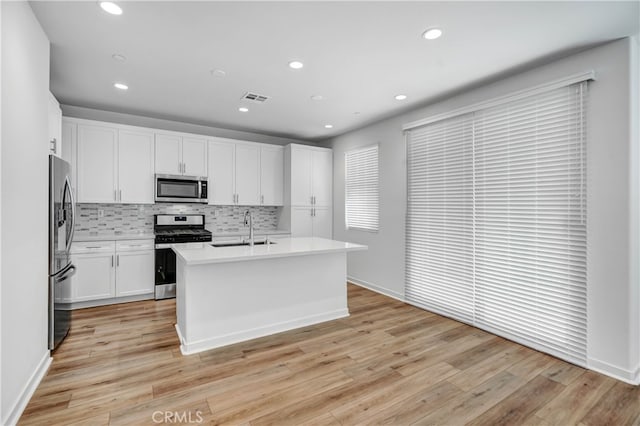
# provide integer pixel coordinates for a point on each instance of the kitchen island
(226, 295)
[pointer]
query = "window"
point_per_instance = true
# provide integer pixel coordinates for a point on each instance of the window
(361, 189)
(496, 219)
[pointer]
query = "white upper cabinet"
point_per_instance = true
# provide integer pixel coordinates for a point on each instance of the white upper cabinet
(247, 174)
(322, 177)
(301, 161)
(311, 176)
(113, 166)
(222, 160)
(135, 167)
(69, 150)
(97, 180)
(271, 175)
(194, 156)
(55, 126)
(178, 155)
(168, 154)
(237, 170)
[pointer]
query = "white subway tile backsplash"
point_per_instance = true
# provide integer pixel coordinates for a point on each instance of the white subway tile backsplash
(133, 218)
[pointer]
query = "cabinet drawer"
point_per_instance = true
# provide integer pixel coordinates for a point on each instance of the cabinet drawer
(93, 247)
(130, 245)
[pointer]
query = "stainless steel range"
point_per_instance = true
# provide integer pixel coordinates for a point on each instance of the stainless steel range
(171, 229)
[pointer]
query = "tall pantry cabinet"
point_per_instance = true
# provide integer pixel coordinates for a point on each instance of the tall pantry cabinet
(308, 191)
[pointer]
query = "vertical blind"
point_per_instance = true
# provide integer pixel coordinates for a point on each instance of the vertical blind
(496, 220)
(361, 189)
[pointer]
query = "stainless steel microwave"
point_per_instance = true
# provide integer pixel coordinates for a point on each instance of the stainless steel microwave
(181, 189)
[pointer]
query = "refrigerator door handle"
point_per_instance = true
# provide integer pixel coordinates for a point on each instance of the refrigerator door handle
(73, 213)
(66, 273)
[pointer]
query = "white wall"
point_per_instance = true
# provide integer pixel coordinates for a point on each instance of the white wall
(24, 193)
(156, 123)
(634, 252)
(612, 308)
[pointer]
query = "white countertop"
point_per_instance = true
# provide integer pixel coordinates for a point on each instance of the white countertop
(111, 236)
(202, 253)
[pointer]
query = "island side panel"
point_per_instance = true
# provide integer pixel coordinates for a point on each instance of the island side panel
(181, 298)
(225, 303)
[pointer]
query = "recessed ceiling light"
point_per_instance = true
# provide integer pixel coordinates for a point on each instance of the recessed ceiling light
(296, 65)
(218, 73)
(432, 33)
(356, 113)
(243, 109)
(120, 86)
(328, 126)
(111, 8)
(317, 98)
(119, 57)
(400, 97)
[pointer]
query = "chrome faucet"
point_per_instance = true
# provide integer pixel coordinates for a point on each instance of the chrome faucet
(248, 220)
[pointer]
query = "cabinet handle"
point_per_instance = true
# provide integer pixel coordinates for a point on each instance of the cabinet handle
(93, 247)
(184, 167)
(237, 198)
(53, 143)
(112, 256)
(117, 260)
(119, 194)
(262, 199)
(115, 195)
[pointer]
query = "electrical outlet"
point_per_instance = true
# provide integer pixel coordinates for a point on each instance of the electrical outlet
(215, 213)
(100, 213)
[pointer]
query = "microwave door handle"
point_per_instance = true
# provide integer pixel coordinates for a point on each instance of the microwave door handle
(199, 188)
(73, 213)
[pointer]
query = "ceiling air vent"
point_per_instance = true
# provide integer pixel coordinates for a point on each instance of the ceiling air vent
(254, 97)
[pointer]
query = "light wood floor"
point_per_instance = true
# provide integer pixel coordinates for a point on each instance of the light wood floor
(388, 363)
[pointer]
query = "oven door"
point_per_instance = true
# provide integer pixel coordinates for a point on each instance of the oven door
(179, 189)
(165, 265)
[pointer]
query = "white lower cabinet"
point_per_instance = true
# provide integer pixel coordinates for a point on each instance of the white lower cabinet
(111, 269)
(134, 268)
(311, 222)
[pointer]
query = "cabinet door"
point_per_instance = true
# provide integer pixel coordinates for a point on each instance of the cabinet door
(134, 273)
(271, 175)
(221, 173)
(55, 127)
(194, 157)
(301, 161)
(168, 156)
(301, 222)
(322, 221)
(247, 175)
(69, 145)
(322, 180)
(135, 167)
(96, 164)
(95, 276)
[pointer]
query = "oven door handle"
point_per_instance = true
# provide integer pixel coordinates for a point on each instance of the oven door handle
(163, 246)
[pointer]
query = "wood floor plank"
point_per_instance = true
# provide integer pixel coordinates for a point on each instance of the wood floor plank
(387, 363)
(521, 404)
(620, 405)
(573, 403)
(468, 405)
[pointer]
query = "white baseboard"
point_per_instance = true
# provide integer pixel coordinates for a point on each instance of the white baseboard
(377, 289)
(28, 390)
(111, 301)
(229, 339)
(628, 376)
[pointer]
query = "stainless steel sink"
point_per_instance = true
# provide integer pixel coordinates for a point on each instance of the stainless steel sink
(256, 243)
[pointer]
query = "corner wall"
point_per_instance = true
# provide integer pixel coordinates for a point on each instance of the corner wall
(24, 193)
(612, 310)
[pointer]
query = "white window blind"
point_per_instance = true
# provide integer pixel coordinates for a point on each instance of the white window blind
(520, 271)
(361, 189)
(439, 257)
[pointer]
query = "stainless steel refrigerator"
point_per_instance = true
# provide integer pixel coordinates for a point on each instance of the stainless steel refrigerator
(61, 223)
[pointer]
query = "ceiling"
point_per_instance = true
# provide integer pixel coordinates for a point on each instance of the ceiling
(356, 55)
